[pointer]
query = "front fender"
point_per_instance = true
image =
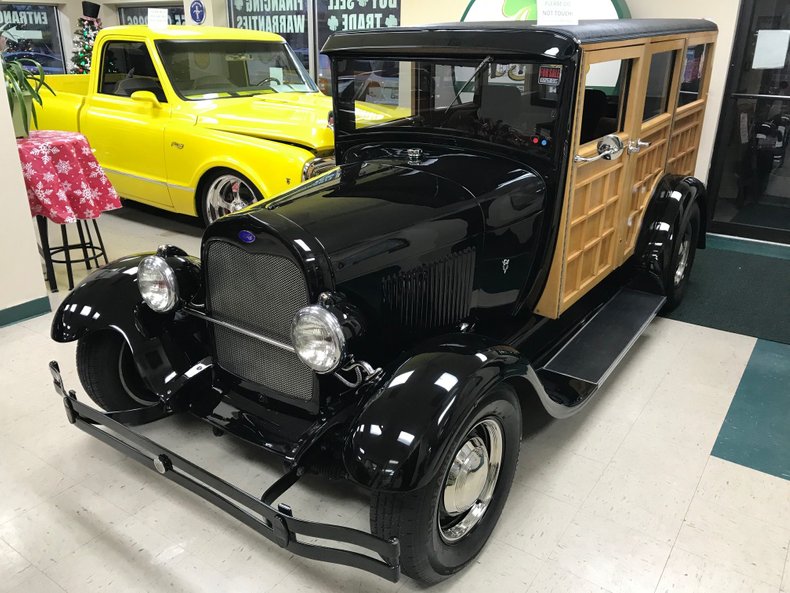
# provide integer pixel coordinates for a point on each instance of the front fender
(405, 429)
(109, 299)
(192, 151)
(667, 211)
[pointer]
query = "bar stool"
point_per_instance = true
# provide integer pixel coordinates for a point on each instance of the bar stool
(90, 251)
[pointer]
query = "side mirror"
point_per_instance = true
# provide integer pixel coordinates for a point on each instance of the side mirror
(146, 97)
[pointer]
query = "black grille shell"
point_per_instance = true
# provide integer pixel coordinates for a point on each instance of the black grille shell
(261, 293)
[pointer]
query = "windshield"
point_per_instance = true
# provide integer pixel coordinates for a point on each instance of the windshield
(513, 103)
(220, 69)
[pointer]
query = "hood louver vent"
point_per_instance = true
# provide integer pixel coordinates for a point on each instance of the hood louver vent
(434, 295)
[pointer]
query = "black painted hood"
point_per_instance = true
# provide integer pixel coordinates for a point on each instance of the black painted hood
(382, 211)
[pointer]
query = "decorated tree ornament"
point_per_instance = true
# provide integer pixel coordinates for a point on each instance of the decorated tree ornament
(84, 38)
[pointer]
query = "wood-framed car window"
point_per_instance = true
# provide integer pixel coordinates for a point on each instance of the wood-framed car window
(693, 72)
(606, 87)
(659, 84)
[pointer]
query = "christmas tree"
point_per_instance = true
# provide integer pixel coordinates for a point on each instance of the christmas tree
(84, 37)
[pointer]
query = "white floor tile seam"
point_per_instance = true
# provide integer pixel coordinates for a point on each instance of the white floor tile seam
(675, 541)
(784, 572)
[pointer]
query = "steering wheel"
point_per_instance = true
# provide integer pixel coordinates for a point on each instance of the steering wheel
(268, 79)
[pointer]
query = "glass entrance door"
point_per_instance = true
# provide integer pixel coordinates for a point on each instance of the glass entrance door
(750, 173)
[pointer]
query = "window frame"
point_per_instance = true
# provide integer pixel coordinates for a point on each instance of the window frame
(102, 73)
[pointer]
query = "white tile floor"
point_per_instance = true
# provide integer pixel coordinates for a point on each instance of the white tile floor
(622, 498)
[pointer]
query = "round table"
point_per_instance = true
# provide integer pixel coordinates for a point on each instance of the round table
(65, 184)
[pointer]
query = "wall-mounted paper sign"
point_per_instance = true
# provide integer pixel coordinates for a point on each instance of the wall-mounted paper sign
(557, 12)
(771, 49)
(157, 18)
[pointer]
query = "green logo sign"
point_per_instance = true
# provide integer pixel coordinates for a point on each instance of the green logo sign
(527, 10)
(520, 10)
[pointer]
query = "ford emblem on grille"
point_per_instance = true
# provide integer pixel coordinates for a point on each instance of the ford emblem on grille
(247, 236)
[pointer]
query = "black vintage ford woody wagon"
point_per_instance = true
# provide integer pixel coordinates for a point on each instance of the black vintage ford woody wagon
(516, 213)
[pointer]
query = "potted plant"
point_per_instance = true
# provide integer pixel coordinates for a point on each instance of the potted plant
(24, 81)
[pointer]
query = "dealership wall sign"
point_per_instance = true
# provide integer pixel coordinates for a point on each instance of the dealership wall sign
(527, 10)
(346, 15)
(138, 15)
(284, 17)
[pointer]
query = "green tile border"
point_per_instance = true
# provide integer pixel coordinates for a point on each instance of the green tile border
(24, 311)
(745, 246)
(755, 431)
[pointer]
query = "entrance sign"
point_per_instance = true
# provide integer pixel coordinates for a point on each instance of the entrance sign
(33, 34)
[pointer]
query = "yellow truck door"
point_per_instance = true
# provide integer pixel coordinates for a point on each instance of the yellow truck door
(125, 116)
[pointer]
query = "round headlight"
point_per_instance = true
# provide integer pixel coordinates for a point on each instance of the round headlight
(318, 339)
(157, 283)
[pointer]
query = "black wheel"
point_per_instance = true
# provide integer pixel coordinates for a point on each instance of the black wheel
(684, 249)
(225, 191)
(108, 373)
(443, 526)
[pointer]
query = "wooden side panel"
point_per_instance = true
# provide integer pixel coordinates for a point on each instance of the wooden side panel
(648, 168)
(685, 138)
(592, 234)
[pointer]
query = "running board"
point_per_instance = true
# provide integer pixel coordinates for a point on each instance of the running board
(586, 360)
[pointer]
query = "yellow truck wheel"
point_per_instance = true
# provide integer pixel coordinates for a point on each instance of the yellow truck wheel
(225, 191)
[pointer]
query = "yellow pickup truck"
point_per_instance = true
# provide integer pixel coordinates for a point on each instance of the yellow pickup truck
(197, 120)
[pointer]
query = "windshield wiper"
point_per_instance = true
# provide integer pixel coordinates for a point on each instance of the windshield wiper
(482, 65)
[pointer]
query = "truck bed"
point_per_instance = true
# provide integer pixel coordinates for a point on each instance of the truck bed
(61, 112)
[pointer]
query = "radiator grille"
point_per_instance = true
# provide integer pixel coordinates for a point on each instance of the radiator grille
(260, 293)
(431, 296)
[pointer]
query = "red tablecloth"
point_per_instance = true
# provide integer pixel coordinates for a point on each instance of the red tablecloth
(64, 181)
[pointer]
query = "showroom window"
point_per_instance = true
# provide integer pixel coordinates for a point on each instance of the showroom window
(138, 15)
(127, 68)
(307, 25)
(34, 34)
(659, 82)
(288, 19)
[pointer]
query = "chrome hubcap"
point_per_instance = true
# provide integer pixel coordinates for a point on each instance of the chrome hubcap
(226, 194)
(683, 258)
(471, 480)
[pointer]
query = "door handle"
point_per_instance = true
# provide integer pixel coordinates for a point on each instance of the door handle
(636, 146)
(609, 147)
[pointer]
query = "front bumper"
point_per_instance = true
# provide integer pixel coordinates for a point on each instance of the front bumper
(278, 524)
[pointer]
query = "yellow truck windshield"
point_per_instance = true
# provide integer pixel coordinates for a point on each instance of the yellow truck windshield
(220, 69)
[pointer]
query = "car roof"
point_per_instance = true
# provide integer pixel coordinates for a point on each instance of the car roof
(192, 32)
(507, 36)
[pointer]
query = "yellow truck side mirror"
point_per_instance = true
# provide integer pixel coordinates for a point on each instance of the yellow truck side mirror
(146, 97)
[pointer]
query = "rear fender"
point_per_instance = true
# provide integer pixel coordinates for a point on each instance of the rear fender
(669, 209)
(404, 431)
(109, 299)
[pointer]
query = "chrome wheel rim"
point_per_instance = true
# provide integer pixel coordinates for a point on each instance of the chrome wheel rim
(126, 363)
(683, 258)
(471, 480)
(226, 194)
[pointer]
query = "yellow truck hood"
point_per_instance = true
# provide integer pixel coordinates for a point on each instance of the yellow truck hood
(298, 118)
